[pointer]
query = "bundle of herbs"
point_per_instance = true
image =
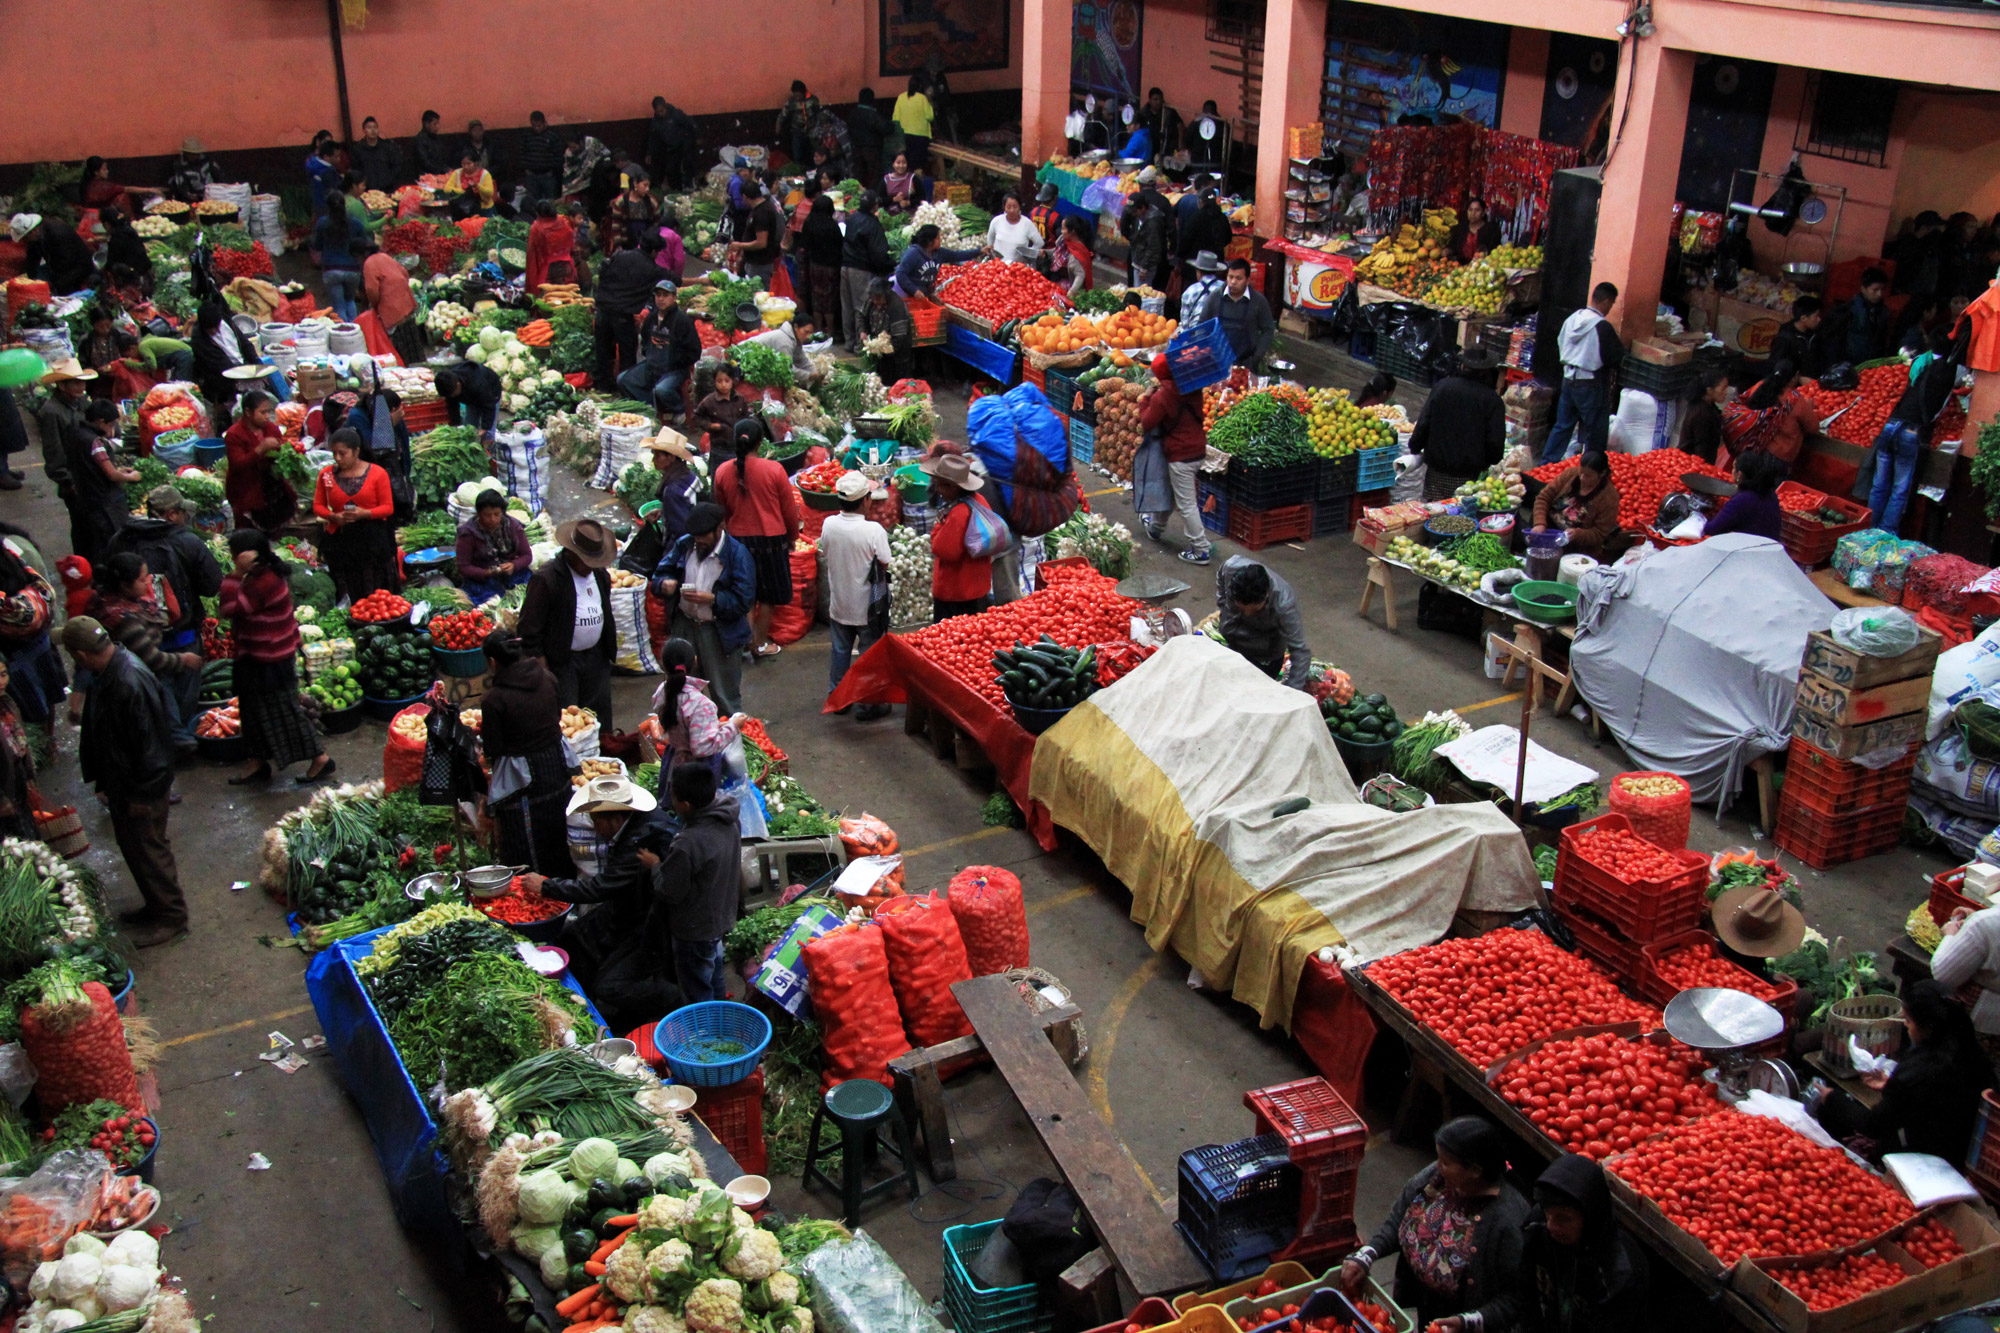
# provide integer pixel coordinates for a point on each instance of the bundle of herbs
(485, 1015)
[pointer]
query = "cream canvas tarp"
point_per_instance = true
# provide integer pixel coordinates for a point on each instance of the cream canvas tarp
(1171, 775)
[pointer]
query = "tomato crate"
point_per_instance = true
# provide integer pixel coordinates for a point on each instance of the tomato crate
(1948, 895)
(1810, 542)
(1213, 502)
(927, 318)
(420, 417)
(1644, 910)
(1377, 467)
(1082, 441)
(1254, 529)
(1655, 990)
(1822, 841)
(1270, 487)
(1602, 943)
(1837, 787)
(977, 1309)
(1149, 1313)
(1338, 477)
(1238, 1202)
(1326, 1140)
(735, 1115)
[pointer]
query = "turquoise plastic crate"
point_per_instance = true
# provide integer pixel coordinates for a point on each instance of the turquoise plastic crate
(977, 1309)
(1378, 467)
(1082, 442)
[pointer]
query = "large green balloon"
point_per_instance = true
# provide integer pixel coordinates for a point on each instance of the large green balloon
(20, 366)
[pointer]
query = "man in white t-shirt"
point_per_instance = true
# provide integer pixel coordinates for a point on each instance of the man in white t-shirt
(566, 617)
(848, 545)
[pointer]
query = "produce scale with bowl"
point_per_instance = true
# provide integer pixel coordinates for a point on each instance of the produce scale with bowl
(1727, 1026)
(1158, 622)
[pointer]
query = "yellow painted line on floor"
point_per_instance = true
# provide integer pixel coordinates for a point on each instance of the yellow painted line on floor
(959, 841)
(293, 1012)
(1063, 899)
(1105, 1041)
(1108, 490)
(1513, 698)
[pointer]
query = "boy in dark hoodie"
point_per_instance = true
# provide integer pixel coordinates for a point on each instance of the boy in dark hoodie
(698, 883)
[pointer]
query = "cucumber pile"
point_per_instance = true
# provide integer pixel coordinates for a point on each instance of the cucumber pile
(1366, 719)
(1046, 675)
(217, 681)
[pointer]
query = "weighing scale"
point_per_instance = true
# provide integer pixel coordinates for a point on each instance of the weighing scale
(1159, 622)
(1723, 1025)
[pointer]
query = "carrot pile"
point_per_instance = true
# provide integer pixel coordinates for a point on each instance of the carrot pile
(538, 333)
(220, 723)
(593, 1308)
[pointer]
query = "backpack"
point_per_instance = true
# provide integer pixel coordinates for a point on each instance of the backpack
(1048, 1229)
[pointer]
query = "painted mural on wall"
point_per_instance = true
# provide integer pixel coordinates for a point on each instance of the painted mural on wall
(1414, 68)
(1104, 47)
(963, 35)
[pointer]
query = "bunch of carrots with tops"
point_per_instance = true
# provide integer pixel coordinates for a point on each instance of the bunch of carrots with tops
(593, 1308)
(538, 333)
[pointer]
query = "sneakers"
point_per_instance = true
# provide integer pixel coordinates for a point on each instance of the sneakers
(1195, 557)
(1154, 531)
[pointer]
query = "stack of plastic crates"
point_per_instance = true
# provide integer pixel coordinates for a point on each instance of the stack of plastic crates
(1612, 917)
(1082, 441)
(1239, 1202)
(1213, 502)
(1831, 811)
(977, 1309)
(735, 1115)
(1325, 1140)
(1377, 468)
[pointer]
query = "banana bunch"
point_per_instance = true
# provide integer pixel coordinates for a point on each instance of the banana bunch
(1438, 223)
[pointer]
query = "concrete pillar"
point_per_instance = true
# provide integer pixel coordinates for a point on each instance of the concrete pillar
(1294, 71)
(1045, 41)
(1521, 93)
(1635, 216)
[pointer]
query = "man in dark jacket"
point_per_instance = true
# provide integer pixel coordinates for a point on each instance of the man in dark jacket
(379, 161)
(566, 617)
(707, 581)
(541, 159)
(699, 883)
(864, 256)
(56, 254)
(670, 143)
(668, 348)
(1145, 226)
(865, 130)
(127, 753)
(1798, 339)
(471, 396)
(432, 153)
(60, 414)
(615, 950)
(1260, 618)
(1246, 317)
(624, 295)
(172, 550)
(1462, 430)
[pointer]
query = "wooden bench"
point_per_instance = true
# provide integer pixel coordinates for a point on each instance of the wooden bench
(1132, 1230)
(917, 1080)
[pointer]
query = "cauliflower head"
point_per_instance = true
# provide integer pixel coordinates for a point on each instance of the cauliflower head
(776, 1292)
(669, 1257)
(798, 1319)
(652, 1319)
(628, 1274)
(752, 1255)
(663, 1211)
(716, 1306)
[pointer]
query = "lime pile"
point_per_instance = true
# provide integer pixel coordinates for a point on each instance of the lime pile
(335, 688)
(1337, 428)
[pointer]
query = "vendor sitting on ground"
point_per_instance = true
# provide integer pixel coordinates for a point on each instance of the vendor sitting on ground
(1261, 620)
(1932, 1097)
(1583, 503)
(1455, 1230)
(614, 952)
(492, 551)
(1754, 509)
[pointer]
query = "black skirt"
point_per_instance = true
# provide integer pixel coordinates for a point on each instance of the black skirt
(771, 557)
(275, 726)
(361, 557)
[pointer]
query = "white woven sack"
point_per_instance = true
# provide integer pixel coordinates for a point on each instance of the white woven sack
(618, 448)
(523, 456)
(635, 646)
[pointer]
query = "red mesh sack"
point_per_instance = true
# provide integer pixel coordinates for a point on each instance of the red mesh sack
(791, 623)
(926, 955)
(869, 836)
(402, 761)
(992, 918)
(656, 621)
(1659, 817)
(79, 1054)
(860, 1029)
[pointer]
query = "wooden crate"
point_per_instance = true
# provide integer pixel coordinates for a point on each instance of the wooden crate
(1846, 742)
(1827, 700)
(1844, 666)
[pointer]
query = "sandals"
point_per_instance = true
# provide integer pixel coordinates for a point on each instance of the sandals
(309, 778)
(263, 774)
(768, 650)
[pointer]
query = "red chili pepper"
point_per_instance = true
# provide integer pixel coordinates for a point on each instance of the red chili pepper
(518, 907)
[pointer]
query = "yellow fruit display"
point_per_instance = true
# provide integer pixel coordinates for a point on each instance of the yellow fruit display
(1336, 427)
(1480, 286)
(1511, 257)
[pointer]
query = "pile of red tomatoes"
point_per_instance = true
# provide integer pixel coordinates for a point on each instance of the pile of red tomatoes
(1492, 994)
(1627, 856)
(1931, 1244)
(376, 606)
(461, 632)
(1824, 1286)
(1077, 609)
(1643, 480)
(1695, 965)
(1600, 1095)
(998, 291)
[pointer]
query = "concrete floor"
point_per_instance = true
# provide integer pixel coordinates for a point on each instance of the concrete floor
(1168, 1065)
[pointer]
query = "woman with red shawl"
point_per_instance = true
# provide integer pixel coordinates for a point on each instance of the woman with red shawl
(549, 240)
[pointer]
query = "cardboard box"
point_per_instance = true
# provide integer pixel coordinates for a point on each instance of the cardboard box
(1305, 140)
(1837, 705)
(316, 382)
(1746, 328)
(1968, 1280)
(1659, 352)
(1844, 666)
(1846, 742)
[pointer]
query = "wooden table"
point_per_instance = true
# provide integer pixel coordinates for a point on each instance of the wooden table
(971, 159)
(1830, 583)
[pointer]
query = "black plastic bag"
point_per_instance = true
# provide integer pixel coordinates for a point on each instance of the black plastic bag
(1345, 317)
(1842, 377)
(1428, 337)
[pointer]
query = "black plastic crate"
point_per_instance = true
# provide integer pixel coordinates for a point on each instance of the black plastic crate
(1238, 1201)
(1333, 516)
(1062, 391)
(1361, 345)
(1402, 365)
(1338, 476)
(1666, 383)
(1273, 487)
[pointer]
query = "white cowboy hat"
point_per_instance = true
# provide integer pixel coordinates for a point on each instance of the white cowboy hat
(602, 795)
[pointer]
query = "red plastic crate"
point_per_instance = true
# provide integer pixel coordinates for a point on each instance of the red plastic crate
(1653, 989)
(1646, 910)
(1035, 375)
(1316, 1123)
(1838, 787)
(1822, 841)
(1808, 541)
(420, 417)
(1602, 943)
(927, 319)
(1257, 528)
(1946, 898)
(735, 1115)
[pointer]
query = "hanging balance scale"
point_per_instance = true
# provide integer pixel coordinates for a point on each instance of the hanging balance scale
(1723, 1025)
(1158, 622)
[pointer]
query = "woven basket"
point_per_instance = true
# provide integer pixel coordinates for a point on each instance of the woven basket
(63, 832)
(1030, 981)
(1060, 360)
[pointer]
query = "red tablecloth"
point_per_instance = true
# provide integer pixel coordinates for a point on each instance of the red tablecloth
(1333, 1027)
(892, 672)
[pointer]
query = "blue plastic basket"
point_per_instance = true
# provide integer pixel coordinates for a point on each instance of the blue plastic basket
(465, 663)
(1378, 467)
(683, 1034)
(1200, 356)
(1214, 506)
(977, 1309)
(207, 453)
(1239, 1202)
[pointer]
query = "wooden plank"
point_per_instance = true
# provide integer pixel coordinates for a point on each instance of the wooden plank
(919, 1089)
(1141, 1239)
(1830, 583)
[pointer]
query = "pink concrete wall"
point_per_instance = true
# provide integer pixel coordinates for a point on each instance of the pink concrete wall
(1175, 57)
(1527, 73)
(256, 73)
(1951, 154)
(1864, 222)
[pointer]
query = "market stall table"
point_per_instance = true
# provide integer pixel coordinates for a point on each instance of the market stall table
(971, 159)
(982, 354)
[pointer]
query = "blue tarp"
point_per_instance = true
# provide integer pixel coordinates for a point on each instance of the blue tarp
(982, 354)
(1000, 424)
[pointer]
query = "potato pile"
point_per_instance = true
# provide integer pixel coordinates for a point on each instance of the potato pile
(1118, 429)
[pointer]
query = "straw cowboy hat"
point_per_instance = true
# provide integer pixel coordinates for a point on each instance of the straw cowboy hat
(587, 540)
(609, 795)
(670, 441)
(956, 469)
(1757, 922)
(71, 369)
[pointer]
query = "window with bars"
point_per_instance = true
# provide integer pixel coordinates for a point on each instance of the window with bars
(1236, 21)
(1847, 118)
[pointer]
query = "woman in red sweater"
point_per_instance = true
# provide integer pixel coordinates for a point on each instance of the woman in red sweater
(259, 497)
(352, 498)
(1185, 443)
(961, 583)
(760, 508)
(257, 601)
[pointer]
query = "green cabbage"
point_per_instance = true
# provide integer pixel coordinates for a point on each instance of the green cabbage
(546, 1196)
(626, 1169)
(492, 339)
(592, 1159)
(533, 1242)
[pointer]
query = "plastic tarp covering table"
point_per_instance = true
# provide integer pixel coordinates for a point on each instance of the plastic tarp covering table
(892, 672)
(982, 354)
(1691, 656)
(1171, 775)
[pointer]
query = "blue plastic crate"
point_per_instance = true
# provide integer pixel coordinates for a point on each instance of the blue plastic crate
(977, 1309)
(1200, 356)
(1378, 467)
(1214, 506)
(1082, 442)
(1239, 1202)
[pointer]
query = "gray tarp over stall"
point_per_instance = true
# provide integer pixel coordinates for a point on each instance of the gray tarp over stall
(1691, 656)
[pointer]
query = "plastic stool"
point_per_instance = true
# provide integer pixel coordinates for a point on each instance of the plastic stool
(858, 1106)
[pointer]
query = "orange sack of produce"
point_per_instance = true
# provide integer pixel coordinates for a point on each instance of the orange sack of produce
(992, 918)
(926, 956)
(860, 1028)
(79, 1054)
(865, 835)
(1662, 817)
(403, 760)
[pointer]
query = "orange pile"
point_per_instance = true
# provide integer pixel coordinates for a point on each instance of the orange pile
(1130, 328)
(1051, 335)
